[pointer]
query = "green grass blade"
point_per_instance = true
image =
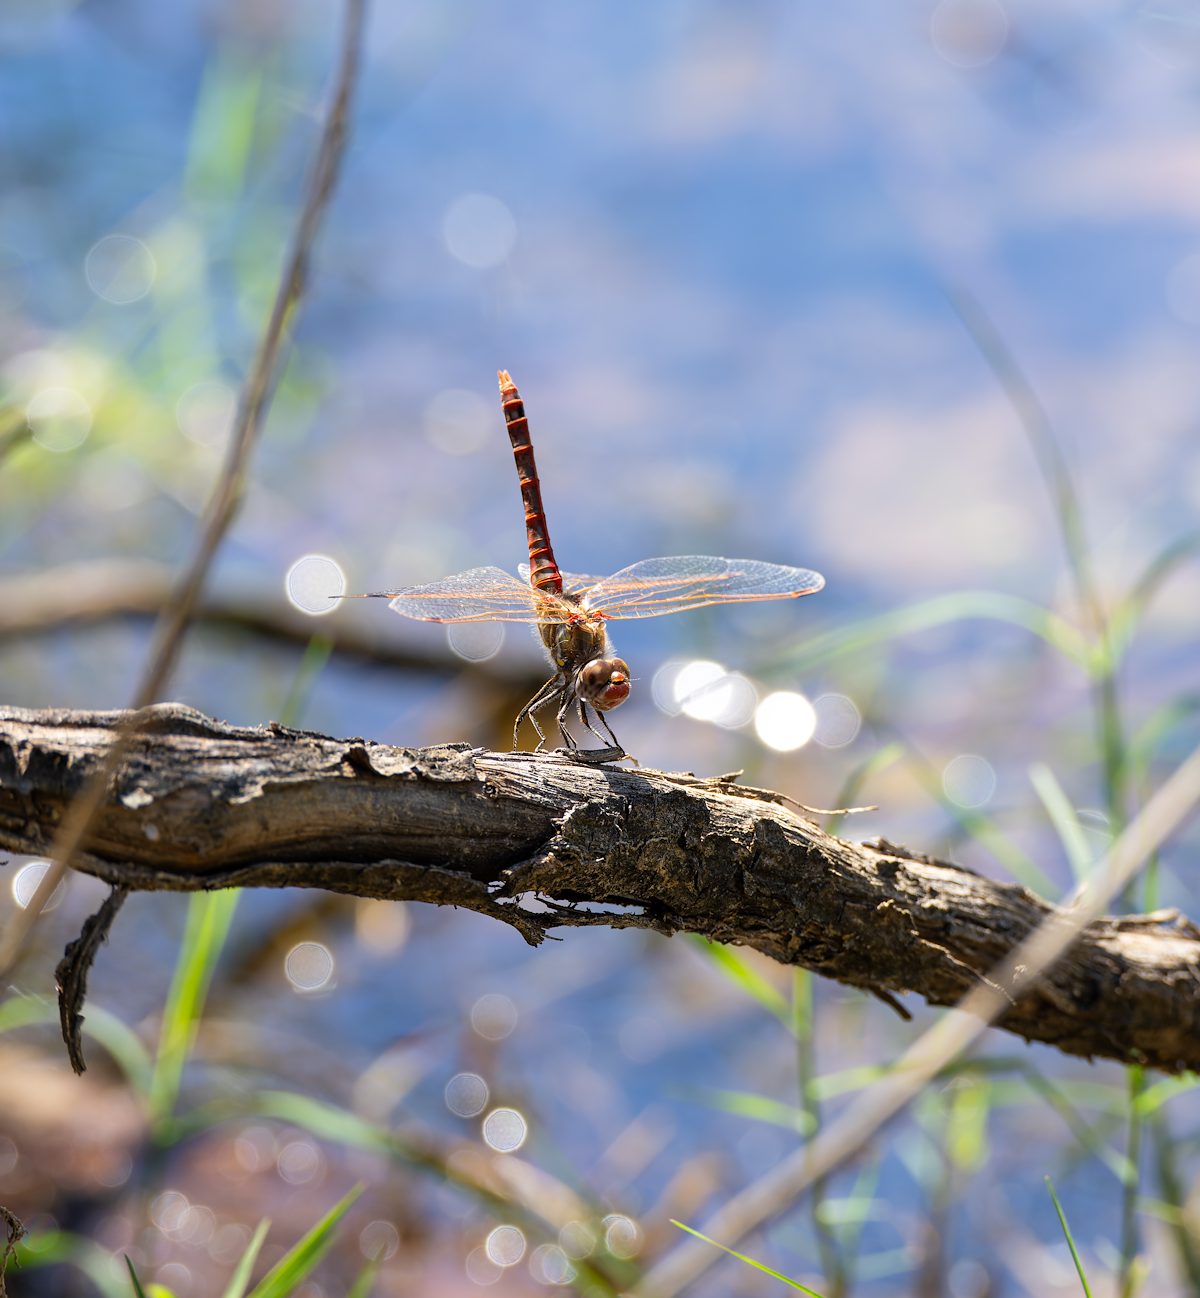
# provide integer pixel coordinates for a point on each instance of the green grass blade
(299, 1260)
(749, 1261)
(223, 126)
(982, 828)
(1039, 432)
(316, 654)
(45, 1248)
(364, 1280)
(760, 1108)
(208, 919)
(1066, 1230)
(1128, 613)
(879, 761)
(1063, 818)
(138, 1291)
(742, 974)
(962, 606)
(236, 1287)
(1166, 1088)
(103, 1027)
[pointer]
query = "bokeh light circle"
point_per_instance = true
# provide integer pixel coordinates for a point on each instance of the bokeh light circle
(25, 884)
(205, 413)
(314, 583)
(494, 1016)
(622, 1235)
(379, 1240)
(548, 1264)
(475, 642)
(309, 966)
(59, 418)
(504, 1130)
(120, 269)
(969, 780)
(838, 720)
(479, 230)
(505, 1245)
(466, 1094)
(785, 721)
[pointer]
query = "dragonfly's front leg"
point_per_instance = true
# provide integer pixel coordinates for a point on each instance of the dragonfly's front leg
(539, 700)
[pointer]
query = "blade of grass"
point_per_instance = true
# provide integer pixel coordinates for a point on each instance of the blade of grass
(1062, 816)
(121, 1042)
(1039, 432)
(300, 1259)
(1166, 1088)
(963, 606)
(1128, 612)
(749, 1261)
(803, 1028)
(1176, 1189)
(759, 1108)
(364, 1280)
(45, 1248)
(208, 918)
(343, 1127)
(241, 1273)
(742, 974)
(981, 827)
(1066, 1230)
(879, 761)
(138, 1291)
(1130, 1182)
(316, 655)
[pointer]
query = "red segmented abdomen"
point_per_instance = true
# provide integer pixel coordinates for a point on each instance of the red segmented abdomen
(543, 571)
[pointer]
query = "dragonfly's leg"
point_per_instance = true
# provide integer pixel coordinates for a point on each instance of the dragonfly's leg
(567, 737)
(604, 722)
(588, 725)
(597, 756)
(539, 700)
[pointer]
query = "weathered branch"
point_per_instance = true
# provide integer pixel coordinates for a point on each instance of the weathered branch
(542, 842)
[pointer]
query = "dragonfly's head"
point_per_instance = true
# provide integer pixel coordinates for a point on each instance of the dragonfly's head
(603, 683)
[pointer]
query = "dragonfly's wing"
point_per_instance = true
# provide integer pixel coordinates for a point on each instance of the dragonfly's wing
(478, 595)
(657, 586)
(574, 583)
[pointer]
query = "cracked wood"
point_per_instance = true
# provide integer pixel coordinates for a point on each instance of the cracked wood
(202, 804)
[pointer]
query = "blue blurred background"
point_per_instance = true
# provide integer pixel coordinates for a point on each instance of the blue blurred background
(761, 271)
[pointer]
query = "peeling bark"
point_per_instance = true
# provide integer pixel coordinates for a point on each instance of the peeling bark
(199, 804)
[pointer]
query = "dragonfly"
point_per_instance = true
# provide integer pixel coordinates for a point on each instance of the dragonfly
(571, 611)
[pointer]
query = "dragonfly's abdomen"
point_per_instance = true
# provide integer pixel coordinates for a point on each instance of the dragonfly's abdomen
(543, 571)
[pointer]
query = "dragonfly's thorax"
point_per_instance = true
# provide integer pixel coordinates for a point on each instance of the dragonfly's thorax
(574, 643)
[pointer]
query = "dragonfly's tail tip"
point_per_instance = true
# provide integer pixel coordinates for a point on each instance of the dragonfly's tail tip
(506, 383)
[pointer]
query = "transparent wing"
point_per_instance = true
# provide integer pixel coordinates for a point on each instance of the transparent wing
(574, 583)
(657, 586)
(478, 595)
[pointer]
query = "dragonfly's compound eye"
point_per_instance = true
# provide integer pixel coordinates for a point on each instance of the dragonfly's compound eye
(604, 682)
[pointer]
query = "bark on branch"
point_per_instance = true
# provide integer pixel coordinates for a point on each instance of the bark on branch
(541, 843)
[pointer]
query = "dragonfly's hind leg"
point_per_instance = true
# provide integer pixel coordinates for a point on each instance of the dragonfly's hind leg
(595, 755)
(539, 700)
